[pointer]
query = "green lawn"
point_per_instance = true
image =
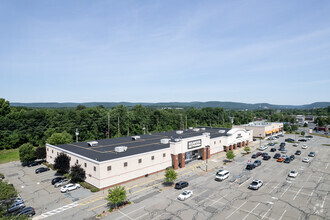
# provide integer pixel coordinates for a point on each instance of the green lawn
(9, 155)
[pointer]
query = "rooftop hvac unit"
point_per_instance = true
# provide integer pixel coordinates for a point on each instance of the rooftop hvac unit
(92, 143)
(134, 138)
(221, 131)
(207, 134)
(165, 141)
(203, 129)
(196, 129)
(190, 128)
(120, 149)
(179, 132)
(177, 139)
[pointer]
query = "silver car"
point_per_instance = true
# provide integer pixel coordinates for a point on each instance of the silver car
(61, 183)
(16, 206)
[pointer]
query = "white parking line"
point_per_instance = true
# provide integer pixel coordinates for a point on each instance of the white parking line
(324, 200)
(131, 212)
(219, 199)
(266, 212)
(251, 211)
(58, 210)
(124, 215)
(285, 190)
(297, 193)
(309, 177)
(143, 215)
(274, 188)
(282, 215)
(236, 210)
(327, 166)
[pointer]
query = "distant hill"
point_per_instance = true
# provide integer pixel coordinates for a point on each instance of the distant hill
(225, 105)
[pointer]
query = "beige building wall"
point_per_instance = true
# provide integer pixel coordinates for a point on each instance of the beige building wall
(261, 129)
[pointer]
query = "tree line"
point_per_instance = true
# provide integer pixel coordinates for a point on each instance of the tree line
(20, 125)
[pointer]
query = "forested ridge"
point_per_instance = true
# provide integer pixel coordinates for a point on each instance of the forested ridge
(19, 125)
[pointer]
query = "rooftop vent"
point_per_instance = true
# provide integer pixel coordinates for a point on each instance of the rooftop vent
(190, 128)
(196, 129)
(165, 141)
(120, 149)
(207, 134)
(221, 131)
(177, 139)
(179, 132)
(92, 143)
(203, 129)
(134, 138)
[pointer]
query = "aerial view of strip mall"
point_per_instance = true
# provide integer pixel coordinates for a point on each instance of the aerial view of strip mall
(159, 110)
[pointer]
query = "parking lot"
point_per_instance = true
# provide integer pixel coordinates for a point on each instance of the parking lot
(36, 189)
(280, 197)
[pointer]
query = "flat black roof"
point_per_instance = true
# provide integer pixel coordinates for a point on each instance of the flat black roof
(105, 150)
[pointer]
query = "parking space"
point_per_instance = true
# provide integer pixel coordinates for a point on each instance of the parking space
(36, 189)
(280, 197)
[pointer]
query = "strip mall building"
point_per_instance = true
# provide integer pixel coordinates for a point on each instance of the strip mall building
(262, 128)
(114, 161)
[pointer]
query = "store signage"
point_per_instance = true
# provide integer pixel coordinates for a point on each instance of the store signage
(194, 144)
(239, 136)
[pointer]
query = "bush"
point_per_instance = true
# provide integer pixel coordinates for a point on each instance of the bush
(86, 185)
(94, 189)
(67, 175)
(48, 165)
(111, 209)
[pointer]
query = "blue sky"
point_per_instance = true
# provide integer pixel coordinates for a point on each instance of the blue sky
(158, 51)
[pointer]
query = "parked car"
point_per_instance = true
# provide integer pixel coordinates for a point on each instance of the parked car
(254, 156)
(42, 169)
(304, 146)
(298, 152)
(181, 185)
(61, 183)
(272, 149)
(16, 206)
(263, 147)
(309, 136)
(257, 163)
(267, 157)
(280, 159)
(259, 154)
(69, 187)
(289, 140)
(250, 166)
(277, 155)
(284, 151)
(311, 154)
(185, 195)
(292, 157)
(57, 179)
(264, 154)
(302, 140)
(295, 145)
(271, 144)
(28, 211)
(221, 175)
(256, 184)
(306, 160)
(33, 163)
(293, 174)
(281, 135)
(287, 160)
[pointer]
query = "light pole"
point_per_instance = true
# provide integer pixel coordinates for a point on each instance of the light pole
(77, 134)
(207, 152)
(260, 141)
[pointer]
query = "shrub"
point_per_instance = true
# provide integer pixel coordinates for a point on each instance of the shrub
(67, 175)
(86, 185)
(94, 189)
(111, 209)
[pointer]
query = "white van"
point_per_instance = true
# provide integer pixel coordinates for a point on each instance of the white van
(221, 175)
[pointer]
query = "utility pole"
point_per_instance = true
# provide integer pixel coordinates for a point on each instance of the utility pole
(180, 121)
(108, 125)
(186, 123)
(118, 128)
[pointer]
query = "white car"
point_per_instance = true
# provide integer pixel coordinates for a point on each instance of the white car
(61, 183)
(69, 187)
(304, 146)
(293, 174)
(256, 184)
(295, 145)
(222, 175)
(185, 195)
(263, 147)
(306, 160)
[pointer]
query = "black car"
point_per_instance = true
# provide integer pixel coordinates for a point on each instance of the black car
(311, 154)
(254, 156)
(267, 157)
(250, 166)
(272, 149)
(302, 140)
(181, 184)
(298, 152)
(264, 154)
(309, 136)
(28, 211)
(289, 140)
(257, 163)
(57, 179)
(287, 160)
(42, 169)
(276, 156)
(33, 163)
(292, 157)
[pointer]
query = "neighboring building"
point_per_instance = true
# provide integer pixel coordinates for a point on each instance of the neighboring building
(300, 119)
(113, 161)
(262, 128)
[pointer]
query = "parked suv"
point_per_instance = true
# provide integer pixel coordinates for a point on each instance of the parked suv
(181, 184)
(16, 206)
(257, 163)
(250, 166)
(276, 156)
(222, 175)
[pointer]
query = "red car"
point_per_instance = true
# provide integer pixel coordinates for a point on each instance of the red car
(259, 154)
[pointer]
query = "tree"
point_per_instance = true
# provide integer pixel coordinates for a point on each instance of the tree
(303, 133)
(230, 155)
(170, 175)
(4, 107)
(305, 124)
(41, 152)
(247, 149)
(62, 163)
(78, 174)
(7, 192)
(60, 138)
(117, 195)
(26, 153)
